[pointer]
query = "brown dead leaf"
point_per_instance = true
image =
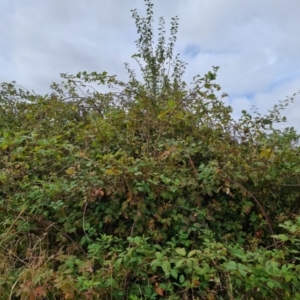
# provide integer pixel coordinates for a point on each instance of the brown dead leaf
(159, 290)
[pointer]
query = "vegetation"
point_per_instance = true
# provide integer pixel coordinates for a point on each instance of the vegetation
(149, 191)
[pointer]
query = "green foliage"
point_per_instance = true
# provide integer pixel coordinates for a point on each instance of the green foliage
(149, 191)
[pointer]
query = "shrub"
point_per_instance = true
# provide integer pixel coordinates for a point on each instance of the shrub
(153, 191)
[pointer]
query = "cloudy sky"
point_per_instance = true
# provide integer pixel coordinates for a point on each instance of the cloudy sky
(255, 43)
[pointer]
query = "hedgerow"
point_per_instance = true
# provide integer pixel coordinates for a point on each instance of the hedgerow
(149, 191)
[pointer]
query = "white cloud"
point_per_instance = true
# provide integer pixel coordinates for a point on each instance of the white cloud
(265, 101)
(254, 42)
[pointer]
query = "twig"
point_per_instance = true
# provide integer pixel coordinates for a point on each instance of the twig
(262, 211)
(13, 223)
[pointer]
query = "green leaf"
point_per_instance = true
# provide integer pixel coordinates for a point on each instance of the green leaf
(166, 267)
(243, 269)
(180, 263)
(191, 253)
(118, 263)
(197, 225)
(171, 104)
(231, 265)
(282, 237)
(181, 279)
(180, 251)
(287, 278)
(174, 273)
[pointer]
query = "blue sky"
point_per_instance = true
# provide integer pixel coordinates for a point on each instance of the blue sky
(255, 43)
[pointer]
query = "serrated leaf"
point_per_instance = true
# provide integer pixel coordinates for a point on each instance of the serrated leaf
(283, 237)
(180, 251)
(243, 269)
(231, 265)
(166, 267)
(191, 253)
(174, 273)
(179, 263)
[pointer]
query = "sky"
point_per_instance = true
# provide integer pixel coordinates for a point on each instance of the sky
(255, 43)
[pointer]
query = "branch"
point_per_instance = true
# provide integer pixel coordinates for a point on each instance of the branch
(262, 211)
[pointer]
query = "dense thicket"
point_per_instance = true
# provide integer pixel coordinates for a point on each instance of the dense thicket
(149, 191)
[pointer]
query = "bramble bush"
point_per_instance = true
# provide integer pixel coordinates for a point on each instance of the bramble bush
(149, 191)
